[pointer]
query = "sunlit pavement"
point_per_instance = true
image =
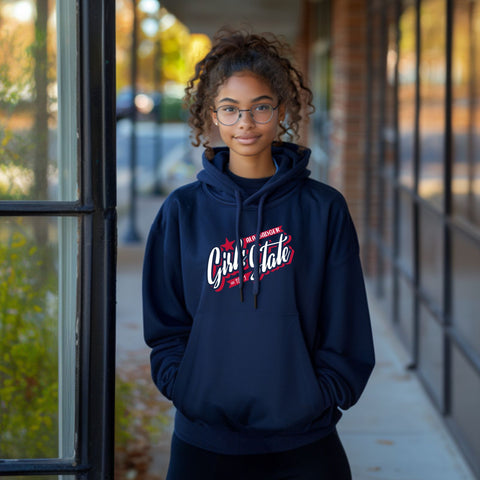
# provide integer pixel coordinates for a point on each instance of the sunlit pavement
(393, 433)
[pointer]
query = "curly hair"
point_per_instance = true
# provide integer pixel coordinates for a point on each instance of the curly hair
(233, 52)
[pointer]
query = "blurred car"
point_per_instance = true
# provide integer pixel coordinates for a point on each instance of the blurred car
(147, 104)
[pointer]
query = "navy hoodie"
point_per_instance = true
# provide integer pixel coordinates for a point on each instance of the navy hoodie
(255, 308)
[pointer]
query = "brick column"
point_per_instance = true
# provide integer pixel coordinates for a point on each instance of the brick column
(349, 104)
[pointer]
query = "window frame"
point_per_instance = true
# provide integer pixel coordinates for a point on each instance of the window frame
(96, 211)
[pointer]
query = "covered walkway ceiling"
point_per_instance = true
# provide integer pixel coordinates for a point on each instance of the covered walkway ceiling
(207, 16)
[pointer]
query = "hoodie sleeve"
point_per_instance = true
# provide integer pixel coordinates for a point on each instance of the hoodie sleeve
(344, 357)
(165, 319)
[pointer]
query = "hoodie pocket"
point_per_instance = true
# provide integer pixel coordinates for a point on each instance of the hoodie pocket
(248, 372)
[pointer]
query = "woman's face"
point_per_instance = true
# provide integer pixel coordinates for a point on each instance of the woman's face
(249, 142)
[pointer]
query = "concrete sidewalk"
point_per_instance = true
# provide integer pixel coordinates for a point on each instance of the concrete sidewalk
(393, 433)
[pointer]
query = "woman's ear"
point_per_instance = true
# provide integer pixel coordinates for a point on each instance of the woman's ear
(281, 112)
(214, 118)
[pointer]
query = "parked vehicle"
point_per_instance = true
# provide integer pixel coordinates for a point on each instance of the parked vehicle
(147, 104)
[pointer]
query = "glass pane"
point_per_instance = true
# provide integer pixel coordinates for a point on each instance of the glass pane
(406, 92)
(321, 122)
(385, 279)
(67, 314)
(389, 129)
(387, 209)
(431, 352)
(377, 53)
(320, 130)
(37, 336)
(465, 401)
(466, 111)
(405, 225)
(432, 100)
(431, 255)
(38, 100)
(406, 303)
(466, 288)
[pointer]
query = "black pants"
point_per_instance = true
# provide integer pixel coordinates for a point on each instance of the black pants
(322, 460)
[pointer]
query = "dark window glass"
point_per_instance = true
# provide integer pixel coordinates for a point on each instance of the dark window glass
(431, 361)
(406, 311)
(465, 401)
(385, 286)
(431, 255)
(466, 288)
(387, 209)
(466, 111)
(405, 226)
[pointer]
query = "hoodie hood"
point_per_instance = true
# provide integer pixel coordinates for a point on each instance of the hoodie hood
(291, 161)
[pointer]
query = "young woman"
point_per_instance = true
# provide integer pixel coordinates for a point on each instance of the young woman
(254, 298)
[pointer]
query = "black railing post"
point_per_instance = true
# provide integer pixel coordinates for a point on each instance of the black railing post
(132, 236)
(157, 148)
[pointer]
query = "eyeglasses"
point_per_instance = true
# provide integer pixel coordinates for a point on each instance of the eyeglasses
(229, 114)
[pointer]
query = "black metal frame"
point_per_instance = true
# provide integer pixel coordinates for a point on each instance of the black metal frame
(96, 211)
(441, 313)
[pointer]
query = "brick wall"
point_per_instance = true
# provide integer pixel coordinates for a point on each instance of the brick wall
(349, 18)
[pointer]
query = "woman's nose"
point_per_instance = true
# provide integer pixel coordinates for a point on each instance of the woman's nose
(246, 117)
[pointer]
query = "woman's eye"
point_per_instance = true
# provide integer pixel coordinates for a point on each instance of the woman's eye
(262, 107)
(229, 109)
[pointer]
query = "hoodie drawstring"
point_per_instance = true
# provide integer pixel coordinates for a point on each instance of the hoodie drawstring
(256, 278)
(256, 255)
(238, 200)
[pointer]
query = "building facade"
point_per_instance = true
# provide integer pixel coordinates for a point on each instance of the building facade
(402, 110)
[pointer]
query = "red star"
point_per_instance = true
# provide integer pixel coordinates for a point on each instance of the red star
(228, 245)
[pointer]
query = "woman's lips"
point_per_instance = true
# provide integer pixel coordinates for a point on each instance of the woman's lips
(246, 139)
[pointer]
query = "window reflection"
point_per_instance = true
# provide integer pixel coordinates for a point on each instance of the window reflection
(28, 338)
(431, 248)
(406, 312)
(37, 336)
(431, 359)
(464, 403)
(406, 93)
(466, 288)
(389, 130)
(466, 111)
(321, 85)
(432, 100)
(31, 146)
(405, 228)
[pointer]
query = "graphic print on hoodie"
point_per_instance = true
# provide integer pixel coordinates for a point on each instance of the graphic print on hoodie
(223, 261)
(255, 308)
